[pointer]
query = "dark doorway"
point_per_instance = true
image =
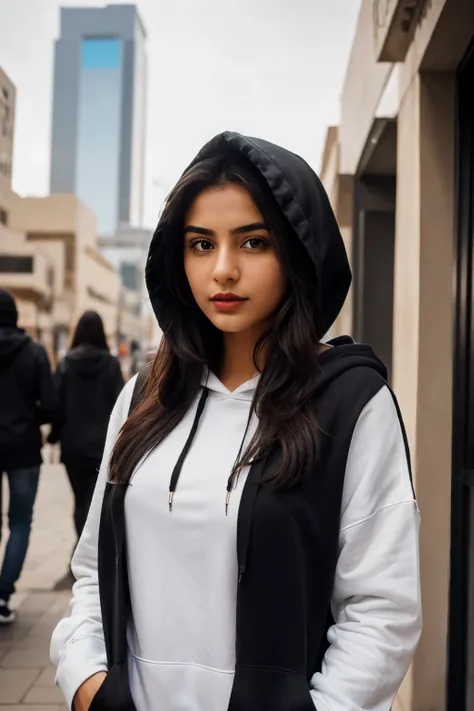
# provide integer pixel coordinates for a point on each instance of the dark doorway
(374, 254)
(461, 622)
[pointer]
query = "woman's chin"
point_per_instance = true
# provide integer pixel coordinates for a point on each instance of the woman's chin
(232, 323)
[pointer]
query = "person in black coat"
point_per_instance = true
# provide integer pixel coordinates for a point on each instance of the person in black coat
(27, 401)
(88, 381)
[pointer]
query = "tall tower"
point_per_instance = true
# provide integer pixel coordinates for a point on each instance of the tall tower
(7, 123)
(99, 106)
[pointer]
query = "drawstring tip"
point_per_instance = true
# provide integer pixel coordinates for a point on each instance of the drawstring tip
(227, 499)
(170, 501)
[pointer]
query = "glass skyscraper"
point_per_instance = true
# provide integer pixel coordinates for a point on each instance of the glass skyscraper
(98, 135)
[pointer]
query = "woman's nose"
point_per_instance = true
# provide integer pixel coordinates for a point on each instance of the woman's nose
(226, 267)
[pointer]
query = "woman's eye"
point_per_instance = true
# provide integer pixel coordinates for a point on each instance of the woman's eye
(201, 245)
(256, 243)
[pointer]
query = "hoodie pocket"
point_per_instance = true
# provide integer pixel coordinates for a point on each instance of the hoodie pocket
(257, 688)
(114, 694)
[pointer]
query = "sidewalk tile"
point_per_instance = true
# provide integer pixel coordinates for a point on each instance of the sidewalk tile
(26, 675)
(5, 647)
(15, 683)
(44, 695)
(46, 677)
(29, 658)
(30, 707)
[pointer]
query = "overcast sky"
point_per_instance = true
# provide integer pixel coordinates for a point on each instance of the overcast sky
(268, 68)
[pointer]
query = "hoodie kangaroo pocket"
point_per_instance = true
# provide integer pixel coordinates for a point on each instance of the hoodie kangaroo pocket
(259, 688)
(114, 694)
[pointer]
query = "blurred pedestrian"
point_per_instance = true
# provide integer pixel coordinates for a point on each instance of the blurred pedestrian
(136, 358)
(27, 400)
(253, 538)
(88, 381)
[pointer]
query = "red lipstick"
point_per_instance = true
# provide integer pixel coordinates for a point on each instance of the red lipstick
(227, 301)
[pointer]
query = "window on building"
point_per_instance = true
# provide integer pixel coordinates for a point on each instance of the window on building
(15, 264)
(101, 53)
(3, 217)
(129, 275)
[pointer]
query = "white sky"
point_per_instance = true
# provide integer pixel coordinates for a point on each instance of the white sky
(267, 68)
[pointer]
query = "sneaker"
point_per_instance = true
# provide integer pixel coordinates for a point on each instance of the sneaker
(7, 616)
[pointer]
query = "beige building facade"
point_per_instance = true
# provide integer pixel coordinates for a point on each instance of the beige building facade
(51, 261)
(403, 159)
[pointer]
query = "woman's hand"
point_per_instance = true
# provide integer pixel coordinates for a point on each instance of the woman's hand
(87, 691)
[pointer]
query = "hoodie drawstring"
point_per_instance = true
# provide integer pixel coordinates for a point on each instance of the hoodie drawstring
(234, 476)
(187, 447)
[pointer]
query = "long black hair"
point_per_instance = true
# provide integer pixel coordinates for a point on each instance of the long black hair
(90, 332)
(283, 401)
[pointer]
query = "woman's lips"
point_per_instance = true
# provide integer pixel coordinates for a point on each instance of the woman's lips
(227, 302)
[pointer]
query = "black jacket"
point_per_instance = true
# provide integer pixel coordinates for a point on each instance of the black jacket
(88, 382)
(27, 398)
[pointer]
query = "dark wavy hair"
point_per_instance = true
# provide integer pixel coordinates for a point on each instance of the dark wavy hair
(284, 399)
(90, 332)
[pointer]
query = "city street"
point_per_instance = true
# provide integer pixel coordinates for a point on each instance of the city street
(26, 675)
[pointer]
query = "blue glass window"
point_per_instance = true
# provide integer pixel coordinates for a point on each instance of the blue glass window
(100, 53)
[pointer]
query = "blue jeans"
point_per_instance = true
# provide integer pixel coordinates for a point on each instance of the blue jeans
(23, 485)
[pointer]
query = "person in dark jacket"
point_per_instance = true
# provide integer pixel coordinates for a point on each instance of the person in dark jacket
(27, 401)
(88, 381)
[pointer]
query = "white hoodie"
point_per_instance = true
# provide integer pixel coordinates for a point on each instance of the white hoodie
(183, 568)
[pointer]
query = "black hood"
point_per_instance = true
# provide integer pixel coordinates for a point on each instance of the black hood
(8, 310)
(345, 355)
(304, 202)
(12, 342)
(87, 362)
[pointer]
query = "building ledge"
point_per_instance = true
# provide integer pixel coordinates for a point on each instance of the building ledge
(395, 23)
(99, 259)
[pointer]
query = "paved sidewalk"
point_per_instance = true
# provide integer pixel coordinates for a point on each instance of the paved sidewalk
(26, 675)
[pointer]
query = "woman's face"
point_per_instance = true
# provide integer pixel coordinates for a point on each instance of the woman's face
(230, 260)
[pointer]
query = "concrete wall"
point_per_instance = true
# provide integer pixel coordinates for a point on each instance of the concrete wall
(37, 283)
(363, 87)
(61, 230)
(340, 192)
(53, 214)
(423, 332)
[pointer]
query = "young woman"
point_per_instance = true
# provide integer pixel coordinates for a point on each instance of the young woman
(88, 382)
(258, 543)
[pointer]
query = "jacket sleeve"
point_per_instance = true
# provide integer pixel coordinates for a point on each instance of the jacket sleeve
(77, 645)
(376, 598)
(45, 393)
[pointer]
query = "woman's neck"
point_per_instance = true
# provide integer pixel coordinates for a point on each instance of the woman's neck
(238, 365)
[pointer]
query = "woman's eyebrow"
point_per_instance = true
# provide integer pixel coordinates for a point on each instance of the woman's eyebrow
(244, 229)
(249, 228)
(199, 231)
